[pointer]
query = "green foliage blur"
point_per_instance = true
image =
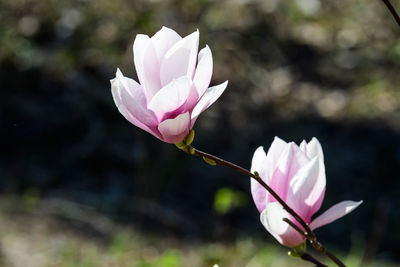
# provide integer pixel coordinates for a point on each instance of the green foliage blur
(227, 199)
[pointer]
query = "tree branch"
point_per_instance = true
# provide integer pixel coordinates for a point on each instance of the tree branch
(392, 11)
(310, 258)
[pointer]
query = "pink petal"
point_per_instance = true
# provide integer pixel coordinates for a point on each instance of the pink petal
(163, 40)
(147, 65)
(258, 192)
(298, 161)
(335, 212)
(180, 59)
(290, 161)
(316, 197)
(210, 96)
(314, 149)
(303, 182)
(171, 97)
(175, 130)
(303, 146)
(301, 187)
(272, 219)
(131, 103)
(204, 71)
(274, 153)
(140, 45)
(192, 99)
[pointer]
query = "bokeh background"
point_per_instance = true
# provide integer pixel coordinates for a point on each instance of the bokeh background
(81, 186)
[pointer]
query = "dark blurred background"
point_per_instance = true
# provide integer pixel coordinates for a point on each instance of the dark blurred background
(70, 163)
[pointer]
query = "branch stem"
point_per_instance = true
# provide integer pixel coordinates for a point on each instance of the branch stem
(392, 11)
(310, 258)
(256, 177)
(307, 232)
(318, 246)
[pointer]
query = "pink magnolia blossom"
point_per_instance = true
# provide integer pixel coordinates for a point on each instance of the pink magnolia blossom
(173, 89)
(297, 175)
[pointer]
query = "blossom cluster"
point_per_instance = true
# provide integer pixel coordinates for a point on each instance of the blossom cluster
(173, 90)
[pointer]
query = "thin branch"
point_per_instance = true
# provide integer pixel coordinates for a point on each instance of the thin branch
(293, 225)
(310, 258)
(308, 233)
(304, 256)
(318, 246)
(392, 11)
(231, 165)
(333, 257)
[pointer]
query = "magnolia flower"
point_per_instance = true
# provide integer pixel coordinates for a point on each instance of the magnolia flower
(297, 175)
(173, 89)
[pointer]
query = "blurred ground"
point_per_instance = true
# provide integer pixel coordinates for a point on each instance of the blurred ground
(297, 69)
(55, 233)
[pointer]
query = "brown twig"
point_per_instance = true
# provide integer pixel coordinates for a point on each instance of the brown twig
(392, 11)
(235, 167)
(318, 246)
(310, 258)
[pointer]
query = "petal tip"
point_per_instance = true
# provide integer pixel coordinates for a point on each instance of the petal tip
(259, 149)
(224, 85)
(314, 139)
(276, 138)
(118, 73)
(196, 34)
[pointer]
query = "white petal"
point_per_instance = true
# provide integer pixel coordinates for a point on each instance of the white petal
(147, 65)
(209, 97)
(335, 212)
(314, 149)
(204, 71)
(289, 163)
(272, 219)
(174, 130)
(139, 46)
(180, 59)
(303, 146)
(259, 160)
(316, 197)
(131, 102)
(301, 187)
(304, 180)
(274, 153)
(171, 97)
(163, 40)
(258, 192)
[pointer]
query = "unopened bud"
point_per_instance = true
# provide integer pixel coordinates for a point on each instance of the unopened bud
(180, 145)
(189, 138)
(293, 254)
(210, 161)
(298, 251)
